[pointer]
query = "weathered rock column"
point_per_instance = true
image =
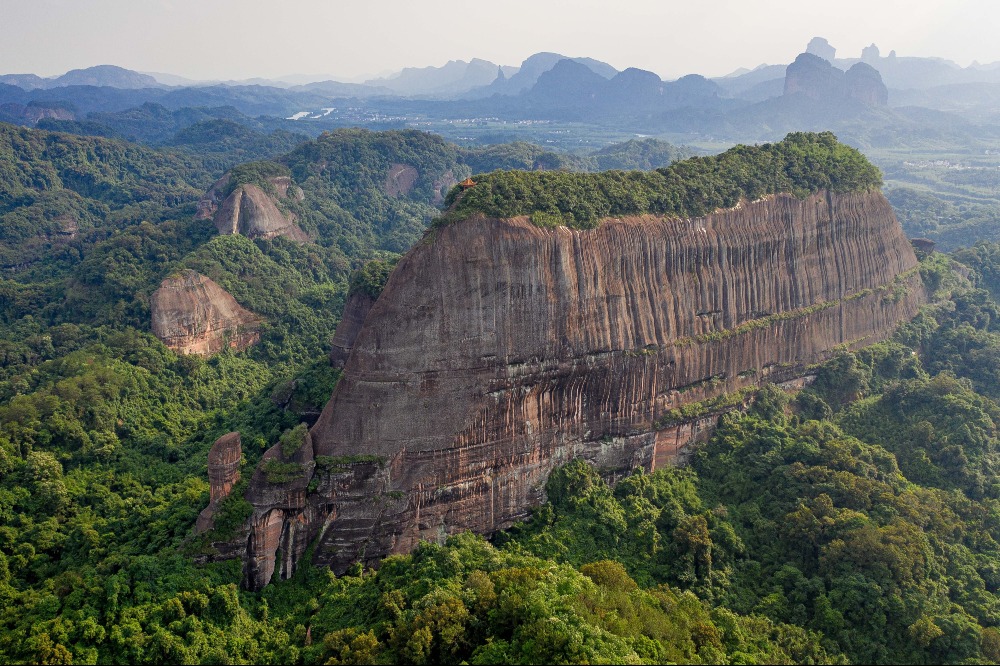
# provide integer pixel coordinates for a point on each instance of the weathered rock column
(223, 473)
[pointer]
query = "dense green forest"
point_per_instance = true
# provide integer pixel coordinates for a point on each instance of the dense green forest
(802, 163)
(854, 521)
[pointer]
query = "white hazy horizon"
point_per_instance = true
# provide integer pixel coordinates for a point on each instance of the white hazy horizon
(354, 41)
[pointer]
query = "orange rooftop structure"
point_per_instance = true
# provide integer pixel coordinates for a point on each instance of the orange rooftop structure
(467, 183)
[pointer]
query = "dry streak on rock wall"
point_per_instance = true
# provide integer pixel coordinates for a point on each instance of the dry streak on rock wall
(499, 350)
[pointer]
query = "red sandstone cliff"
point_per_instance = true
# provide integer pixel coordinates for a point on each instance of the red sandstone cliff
(499, 350)
(359, 304)
(191, 314)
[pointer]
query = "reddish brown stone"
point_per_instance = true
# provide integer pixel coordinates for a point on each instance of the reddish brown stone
(923, 244)
(191, 314)
(248, 211)
(501, 350)
(359, 303)
(223, 473)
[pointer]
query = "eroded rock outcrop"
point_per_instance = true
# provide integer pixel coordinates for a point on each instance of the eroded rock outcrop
(864, 84)
(223, 473)
(191, 314)
(250, 211)
(500, 350)
(278, 494)
(400, 179)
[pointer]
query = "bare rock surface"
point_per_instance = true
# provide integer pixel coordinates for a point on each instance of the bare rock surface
(400, 180)
(250, 212)
(499, 350)
(223, 473)
(191, 314)
(358, 305)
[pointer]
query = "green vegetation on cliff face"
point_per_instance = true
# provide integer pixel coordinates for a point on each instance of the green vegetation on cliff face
(801, 164)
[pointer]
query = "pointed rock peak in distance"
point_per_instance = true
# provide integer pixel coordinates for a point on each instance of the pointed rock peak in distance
(818, 46)
(870, 54)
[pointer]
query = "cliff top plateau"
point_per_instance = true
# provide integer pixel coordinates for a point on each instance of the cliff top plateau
(802, 163)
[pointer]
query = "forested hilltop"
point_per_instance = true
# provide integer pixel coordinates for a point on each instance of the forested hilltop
(855, 521)
(801, 163)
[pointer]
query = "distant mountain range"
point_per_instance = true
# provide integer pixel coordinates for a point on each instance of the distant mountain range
(103, 76)
(816, 91)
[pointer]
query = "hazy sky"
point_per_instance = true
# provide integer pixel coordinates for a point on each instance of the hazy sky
(232, 39)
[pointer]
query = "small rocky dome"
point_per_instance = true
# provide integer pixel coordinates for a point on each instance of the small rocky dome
(250, 212)
(191, 314)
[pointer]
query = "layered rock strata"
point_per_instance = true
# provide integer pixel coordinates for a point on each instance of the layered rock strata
(499, 350)
(191, 314)
(223, 473)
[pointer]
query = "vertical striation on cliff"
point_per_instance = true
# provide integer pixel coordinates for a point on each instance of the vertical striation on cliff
(499, 350)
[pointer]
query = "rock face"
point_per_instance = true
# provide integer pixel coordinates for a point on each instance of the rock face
(249, 211)
(223, 473)
(400, 180)
(818, 46)
(864, 84)
(499, 350)
(356, 309)
(815, 78)
(193, 315)
(278, 494)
